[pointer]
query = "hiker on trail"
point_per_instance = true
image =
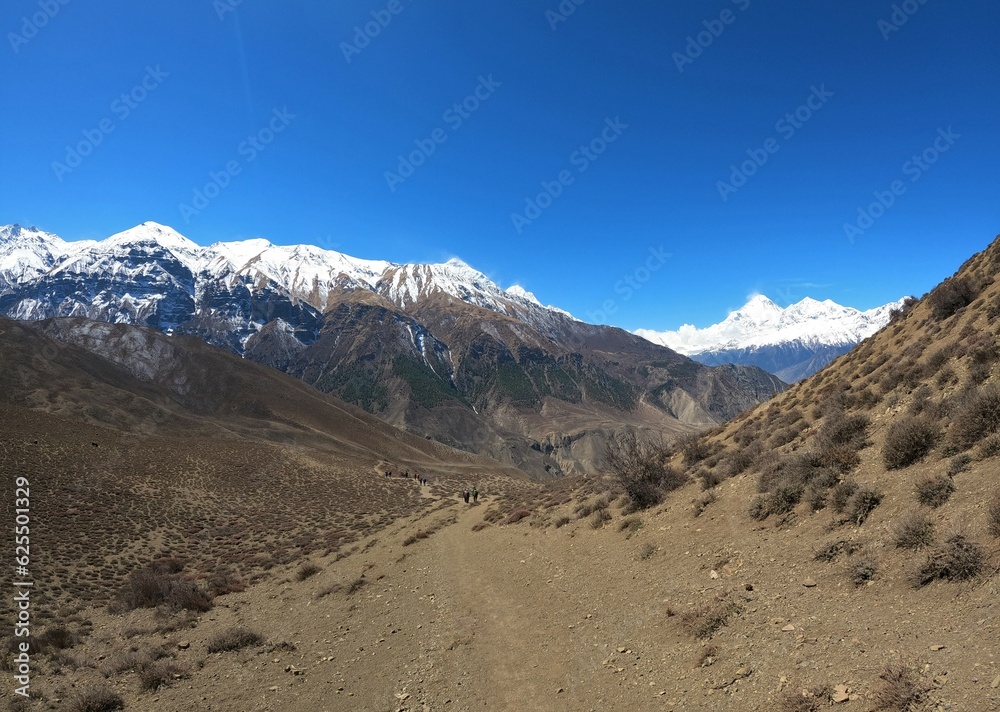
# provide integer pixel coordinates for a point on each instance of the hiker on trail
(475, 494)
(466, 495)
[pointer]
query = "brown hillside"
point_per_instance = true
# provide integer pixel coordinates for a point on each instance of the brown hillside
(836, 547)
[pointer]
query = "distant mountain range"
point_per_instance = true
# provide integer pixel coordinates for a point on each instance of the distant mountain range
(439, 350)
(791, 343)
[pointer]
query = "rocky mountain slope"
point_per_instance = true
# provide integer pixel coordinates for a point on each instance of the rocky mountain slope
(792, 343)
(439, 350)
(837, 547)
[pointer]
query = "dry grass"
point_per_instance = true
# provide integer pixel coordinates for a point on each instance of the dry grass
(97, 699)
(159, 674)
(914, 531)
(234, 639)
(307, 570)
(958, 559)
(899, 689)
(908, 441)
(935, 490)
(706, 618)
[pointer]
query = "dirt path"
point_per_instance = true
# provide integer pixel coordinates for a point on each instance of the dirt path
(517, 659)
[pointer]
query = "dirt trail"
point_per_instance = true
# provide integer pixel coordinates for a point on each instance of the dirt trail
(516, 658)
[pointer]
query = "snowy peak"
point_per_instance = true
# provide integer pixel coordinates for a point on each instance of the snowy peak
(762, 323)
(305, 273)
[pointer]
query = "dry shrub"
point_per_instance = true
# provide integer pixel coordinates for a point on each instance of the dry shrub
(646, 551)
(908, 440)
(225, 581)
(951, 295)
(863, 570)
(702, 502)
(159, 584)
(935, 490)
(958, 464)
(599, 518)
(306, 570)
(97, 699)
(899, 689)
(958, 559)
(234, 639)
(54, 639)
(562, 521)
(978, 416)
(642, 469)
(915, 531)
(703, 620)
(517, 516)
(831, 551)
(805, 701)
(694, 448)
(159, 674)
(861, 504)
(841, 429)
(356, 585)
(842, 493)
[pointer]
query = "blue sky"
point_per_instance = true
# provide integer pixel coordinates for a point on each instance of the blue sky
(679, 156)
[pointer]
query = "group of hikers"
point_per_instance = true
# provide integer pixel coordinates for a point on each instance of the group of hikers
(467, 494)
(406, 473)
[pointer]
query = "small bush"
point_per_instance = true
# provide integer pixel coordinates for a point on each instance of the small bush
(908, 440)
(990, 447)
(54, 639)
(842, 494)
(834, 549)
(978, 416)
(642, 469)
(159, 674)
(599, 518)
(900, 689)
(951, 295)
(935, 491)
(517, 516)
(915, 531)
(861, 504)
(694, 448)
(958, 559)
(702, 503)
(98, 699)
(306, 570)
(863, 570)
(959, 463)
(646, 551)
(703, 620)
(234, 639)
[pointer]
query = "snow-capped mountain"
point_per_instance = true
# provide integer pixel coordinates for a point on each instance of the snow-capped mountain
(791, 343)
(153, 275)
(437, 349)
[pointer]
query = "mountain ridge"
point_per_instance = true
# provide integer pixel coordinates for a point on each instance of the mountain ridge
(791, 342)
(438, 350)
